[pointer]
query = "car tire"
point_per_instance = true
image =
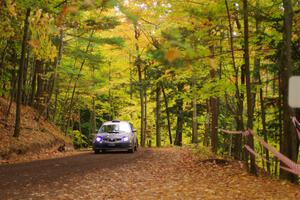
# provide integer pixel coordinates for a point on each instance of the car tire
(131, 150)
(97, 151)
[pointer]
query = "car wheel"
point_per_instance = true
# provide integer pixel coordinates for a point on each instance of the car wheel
(131, 150)
(97, 151)
(103, 151)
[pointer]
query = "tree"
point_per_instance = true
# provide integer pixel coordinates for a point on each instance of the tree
(158, 119)
(289, 145)
(20, 74)
(250, 100)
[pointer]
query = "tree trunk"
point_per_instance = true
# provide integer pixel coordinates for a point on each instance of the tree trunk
(26, 65)
(194, 120)
(141, 106)
(145, 109)
(12, 91)
(93, 117)
(168, 113)
(131, 84)
(264, 124)
(207, 125)
(55, 104)
(20, 75)
(214, 106)
(138, 64)
(214, 123)
(237, 147)
(157, 113)
(289, 138)
(180, 116)
(250, 100)
(69, 111)
(40, 82)
(110, 96)
(257, 79)
(53, 83)
(278, 138)
(33, 84)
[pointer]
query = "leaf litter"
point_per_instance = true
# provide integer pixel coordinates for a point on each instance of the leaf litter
(168, 173)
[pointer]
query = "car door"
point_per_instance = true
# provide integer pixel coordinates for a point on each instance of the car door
(133, 130)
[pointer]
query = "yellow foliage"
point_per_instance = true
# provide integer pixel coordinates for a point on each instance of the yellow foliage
(11, 7)
(43, 47)
(187, 88)
(172, 54)
(34, 43)
(72, 9)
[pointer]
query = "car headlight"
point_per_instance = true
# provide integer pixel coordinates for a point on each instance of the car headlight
(99, 139)
(125, 139)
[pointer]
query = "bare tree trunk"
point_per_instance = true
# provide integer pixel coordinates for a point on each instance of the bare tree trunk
(180, 116)
(157, 113)
(131, 84)
(214, 105)
(145, 114)
(264, 124)
(257, 79)
(110, 97)
(55, 104)
(194, 120)
(26, 66)
(79, 122)
(143, 138)
(93, 117)
(207, 125)
(280, 118)
(250, 100)
(20, 75)
(214, 123)
(33, 84)
(195, 123)
(139, 68)
(40, 82)
(239, 96)
(289, 137)
(168, 113)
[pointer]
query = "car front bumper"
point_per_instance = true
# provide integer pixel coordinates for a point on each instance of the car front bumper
(106, 145)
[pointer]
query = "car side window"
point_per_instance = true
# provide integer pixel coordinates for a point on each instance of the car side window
(131, 126)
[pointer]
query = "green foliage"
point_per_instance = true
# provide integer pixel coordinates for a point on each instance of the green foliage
(79, 140)
(105, 23)
(118, 41)
(174, 42)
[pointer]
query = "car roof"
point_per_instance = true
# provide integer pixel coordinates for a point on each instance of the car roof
(115, 122)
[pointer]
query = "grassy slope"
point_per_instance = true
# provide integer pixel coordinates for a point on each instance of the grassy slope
(35, 136)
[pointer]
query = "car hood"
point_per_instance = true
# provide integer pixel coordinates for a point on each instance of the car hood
(113, 135)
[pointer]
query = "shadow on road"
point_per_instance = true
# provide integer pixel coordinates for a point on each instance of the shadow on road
(47, 171)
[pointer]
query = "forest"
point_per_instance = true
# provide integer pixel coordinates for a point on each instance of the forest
(184, 72)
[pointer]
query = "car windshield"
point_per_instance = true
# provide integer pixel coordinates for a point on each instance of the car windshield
(115, 128)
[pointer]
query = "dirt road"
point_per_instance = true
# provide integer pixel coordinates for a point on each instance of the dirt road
(170, 173)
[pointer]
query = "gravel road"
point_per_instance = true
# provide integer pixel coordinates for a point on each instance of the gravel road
(23, 180)
(157, 173)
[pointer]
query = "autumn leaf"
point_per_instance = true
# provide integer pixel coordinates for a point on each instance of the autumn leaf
(172, 54)
(34, 43)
